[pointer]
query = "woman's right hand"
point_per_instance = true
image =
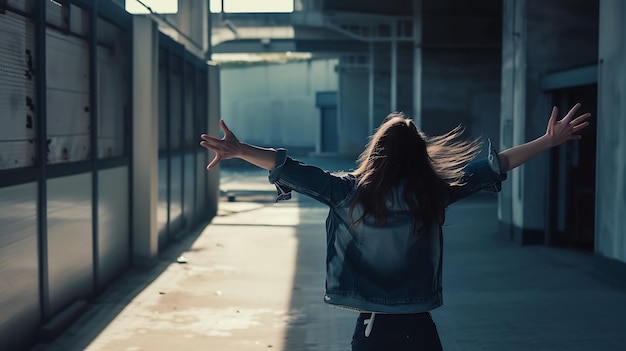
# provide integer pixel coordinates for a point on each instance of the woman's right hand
(557, 132)
(560, 131)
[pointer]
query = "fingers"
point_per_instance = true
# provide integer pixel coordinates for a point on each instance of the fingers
(214, 148)
(578, 124)
(580, 119)
(209, 139)
(553, 115)
(214, 144)
(216, 159)
(225, 128)
(571, 113)
(580, 127)
(208, 145)
(210, 142)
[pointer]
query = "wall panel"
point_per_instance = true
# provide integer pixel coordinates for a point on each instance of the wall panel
(68, 110)
(201, 192)
(70, 240)
(19, 264)
(189, 188)
(162, 218)
(176, 192)
(610, 222)
(113, 223)
(17, 94)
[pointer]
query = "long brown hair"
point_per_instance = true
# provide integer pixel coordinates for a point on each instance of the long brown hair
(428, 166)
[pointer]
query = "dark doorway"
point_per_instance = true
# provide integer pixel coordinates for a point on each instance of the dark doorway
(329, 130)
(572, 179)
(326, 101)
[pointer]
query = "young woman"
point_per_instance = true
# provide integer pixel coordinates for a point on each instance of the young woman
(384, 237)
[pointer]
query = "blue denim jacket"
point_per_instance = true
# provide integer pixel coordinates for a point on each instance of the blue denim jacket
(378, 268)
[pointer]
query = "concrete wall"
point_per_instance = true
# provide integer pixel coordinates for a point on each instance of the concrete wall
(192, 23)
(274, 104)
(353, 117)
(611, 148)
(461, 88)
(538, 39)
(382, 81)
(461, 67)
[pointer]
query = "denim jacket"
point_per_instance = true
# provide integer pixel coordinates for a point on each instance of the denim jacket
(371, 267)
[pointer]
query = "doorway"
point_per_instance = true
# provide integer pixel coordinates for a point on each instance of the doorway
(329, 130)
(326, 101)
(572, 176)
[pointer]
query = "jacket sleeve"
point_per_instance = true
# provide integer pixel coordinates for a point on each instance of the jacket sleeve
(481, 174)
(291, 175)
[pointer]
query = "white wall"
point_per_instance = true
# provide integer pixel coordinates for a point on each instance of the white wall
(611, 148)
(274, 104)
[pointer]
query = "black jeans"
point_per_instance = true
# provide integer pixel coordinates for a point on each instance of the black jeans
(397, 332)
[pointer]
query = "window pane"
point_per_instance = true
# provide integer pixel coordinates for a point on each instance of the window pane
(175, 102)
(163, 82)
(17, 92)
(190, 136)
(68, 110)
(113, 89)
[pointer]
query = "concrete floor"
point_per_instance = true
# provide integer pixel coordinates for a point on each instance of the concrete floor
(254, 278)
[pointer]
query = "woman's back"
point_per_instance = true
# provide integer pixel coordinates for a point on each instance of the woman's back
(377, 267)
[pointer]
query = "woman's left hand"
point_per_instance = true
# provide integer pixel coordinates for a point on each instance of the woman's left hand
(225, 148)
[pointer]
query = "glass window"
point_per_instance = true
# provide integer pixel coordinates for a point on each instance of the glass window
(163, 83)
(175, 99)
(17, 92)
(68, 18)
(113, 89)
(190, 135)
(67, 98)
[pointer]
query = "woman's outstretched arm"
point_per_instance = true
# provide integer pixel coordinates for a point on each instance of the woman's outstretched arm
(230, 147)
(557, 133)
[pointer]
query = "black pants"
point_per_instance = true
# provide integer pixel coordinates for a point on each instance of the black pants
(397, 332)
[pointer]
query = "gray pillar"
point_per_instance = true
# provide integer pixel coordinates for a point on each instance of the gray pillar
(512, 110)
(394, 69)
(417, 62)
(370, 100)
(214, 130)
(145, 147)
(519, 107)
(610, 221)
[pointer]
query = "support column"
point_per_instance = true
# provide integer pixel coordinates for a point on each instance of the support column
(370, 94)
(417, 62)
(513, 110)
(145, 146)
(394, 67)
(214, 108)
(610, 222)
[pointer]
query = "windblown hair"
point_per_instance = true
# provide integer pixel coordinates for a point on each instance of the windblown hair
(427, 166)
